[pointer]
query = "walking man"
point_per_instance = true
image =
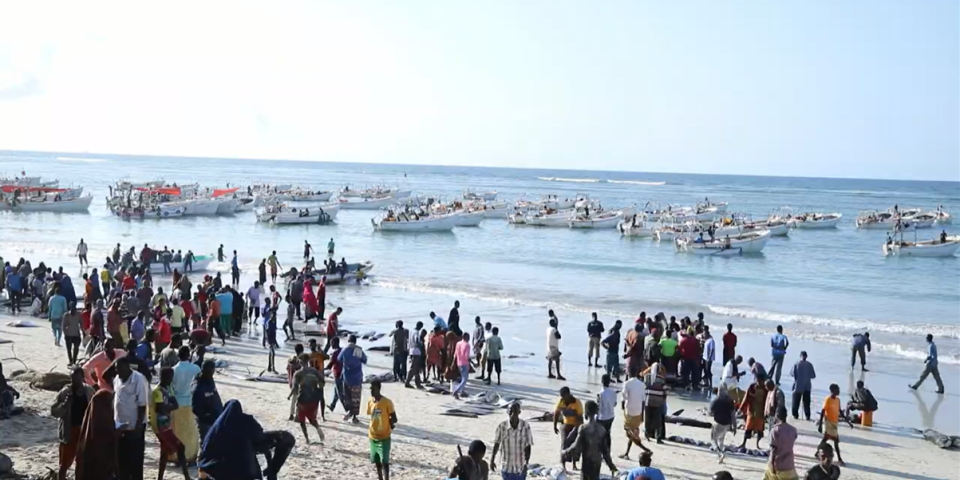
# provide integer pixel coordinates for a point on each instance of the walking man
(383, 419)
(462, 357)
(553, 350)
(860, 346)
(802, 374)
(131, 394)
(709, 356)
(82, 253)
(723, 411)
(632, 403)
(930, 367)
(514, 440)
(593, 443)
(783, 436)
(779, 344)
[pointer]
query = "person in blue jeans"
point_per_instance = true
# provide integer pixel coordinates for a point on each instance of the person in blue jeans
(779, 344)
(56, 307)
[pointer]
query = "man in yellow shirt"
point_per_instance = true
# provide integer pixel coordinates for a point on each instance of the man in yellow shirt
(570, 410)
(829, 421)
(383, 418)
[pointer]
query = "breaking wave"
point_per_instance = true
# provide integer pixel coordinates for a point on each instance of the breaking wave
(598, 180)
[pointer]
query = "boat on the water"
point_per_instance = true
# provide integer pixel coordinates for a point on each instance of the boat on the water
(888, 220)
(47, 204)
(467, 218)
(742, 243)
(922, 219)
(495, 209)
(413, 222)
(604, 219)
(945, 246)
(943, 218)
(484, 196)
(548, 217)
(636, 226)
(366, 203)
(283, 214)
(375, 192)
(200, 263)
(815, 220)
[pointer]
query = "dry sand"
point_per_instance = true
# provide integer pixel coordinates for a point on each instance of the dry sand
(424, 443)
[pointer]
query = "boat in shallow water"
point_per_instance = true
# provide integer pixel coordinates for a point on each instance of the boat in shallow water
(742, 243)
(76, 205)
(941, 247)
(411, 223)
(815, 220)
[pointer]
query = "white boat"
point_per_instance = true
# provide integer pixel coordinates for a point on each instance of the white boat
(815, 220)
(366, 203)
(226, 206)
(283, 214)
(943, 218)
(245, 204)
(496, 210)
(743, 243)
(608, 219)
(485, 196)
(404, 223)
(740, 224)
(554, 202)
(946, 247)
(198, 206)
(921, 220)
(308, 196)
(376, 192)
(81, 204)
(549, 218)
(635, 226)
(721, 207)
(165, 211)
(469, 219)
(200, 263)
(873, 220)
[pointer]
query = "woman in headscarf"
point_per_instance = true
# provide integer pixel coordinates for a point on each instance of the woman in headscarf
(97, 451)
(753, 404)
(310, 299)
(653, 415)
(230, 448)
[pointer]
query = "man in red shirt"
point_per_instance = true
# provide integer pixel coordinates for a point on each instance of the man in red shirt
(333, 328)
(729, 344)
(690, 359)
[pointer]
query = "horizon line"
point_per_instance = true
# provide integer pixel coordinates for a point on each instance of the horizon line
(91, 155)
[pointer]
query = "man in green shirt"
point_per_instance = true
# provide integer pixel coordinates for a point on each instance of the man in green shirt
(668, 352)
(493, 347)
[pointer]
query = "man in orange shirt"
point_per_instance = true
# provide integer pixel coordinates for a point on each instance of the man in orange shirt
(213, 318)
(829, 423)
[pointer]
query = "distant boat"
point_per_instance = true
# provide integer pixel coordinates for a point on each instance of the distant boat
(927, 248)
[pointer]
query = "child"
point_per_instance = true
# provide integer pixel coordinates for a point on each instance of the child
(288, 323)
(162, 403)
(829, 423)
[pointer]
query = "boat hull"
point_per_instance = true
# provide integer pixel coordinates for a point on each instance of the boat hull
(79, 205)
(227, 206)
(948, 249)
(363, 203)
(200, 263)
(817, 224)
(627, 229)
(752, 243)
(469, 219)
(609, 222)
(439, 224)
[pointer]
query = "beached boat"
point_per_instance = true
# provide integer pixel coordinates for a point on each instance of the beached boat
(941, 247)
(76, 205)
(608, 219)
(815, 220)
(366, 203)
(743, 243)
(408, 223)
(469, 218)
(200, 263)
(338, 276)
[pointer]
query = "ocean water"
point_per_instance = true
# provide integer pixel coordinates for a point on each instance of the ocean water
(823, 286)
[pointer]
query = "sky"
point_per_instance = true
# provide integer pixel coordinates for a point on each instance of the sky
(859, 88)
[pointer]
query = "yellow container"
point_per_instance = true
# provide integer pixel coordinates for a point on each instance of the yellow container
(866, 419)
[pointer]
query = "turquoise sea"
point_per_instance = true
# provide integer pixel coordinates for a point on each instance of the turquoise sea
(823, 286)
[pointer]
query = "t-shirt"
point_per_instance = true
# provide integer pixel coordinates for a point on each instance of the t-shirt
(818, 473)
(463, 353)
(317, 360)
(226, 303)
(552, 341)
(634, 393)
(128, 397)
(729, 344)
(779, 342)
(380, 412)
(730, 379)
(783, 436)
(399, 341)
(570, 412)
(308, 385)
(595, 329)
(668, 346)
(161, 395)
(254, 295)
(831, 409)
(176, 316)
(272, 260)
(57, 306)
(722, 409)
(184, 374)
(651, 473)
(803, 374)
(104, 276)
(439, 322)
(607, 400)
(352, 358)
(494, 345)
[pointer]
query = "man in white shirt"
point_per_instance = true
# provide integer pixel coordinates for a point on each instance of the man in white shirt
(607, 400)
(131, 394)
(553, 350)
(731, 377)
(709, 355)
(634, 394)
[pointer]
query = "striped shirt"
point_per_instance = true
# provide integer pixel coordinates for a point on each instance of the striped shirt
(513, 442)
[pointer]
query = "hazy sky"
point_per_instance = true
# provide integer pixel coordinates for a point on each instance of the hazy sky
(862, 88)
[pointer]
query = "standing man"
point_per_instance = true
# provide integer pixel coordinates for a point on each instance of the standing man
(131, 394)
(709, 356)
(235, 270)
(417, 352)
(778, 344)
(829, 423)
(207, 405)
(479, 338)
(595, 333)
(82, 253)
(729, 344)
(274, 263)
(553, 350)
(220, 256)
(802, 374)
(308, 390)
(860, 346)
(383, 419)
(783, 436)
(68, 409)
(492, 347)
(930, 367)
(333, 327)
(253, 301)
(115, 256)
(225, 298)
(633, 398)
(330, 246)
(462, 357)
(398, 348)
(184, 425)
(607, 400)
(56, 307)
(515, 438)
(352, 359)
(453, 320)
(570, 410)
(593, 443)
(307, 250)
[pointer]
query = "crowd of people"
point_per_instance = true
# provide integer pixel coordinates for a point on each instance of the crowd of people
(131, 333)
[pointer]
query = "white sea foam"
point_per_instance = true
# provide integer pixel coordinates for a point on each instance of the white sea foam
(637, 182)
(82, 160)
(572, 180)
(947, 331)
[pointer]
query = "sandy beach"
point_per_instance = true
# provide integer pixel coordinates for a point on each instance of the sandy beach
(425, 441)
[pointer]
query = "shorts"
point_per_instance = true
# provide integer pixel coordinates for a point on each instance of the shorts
(593, 347)
(553, 354)
(831, 430)
(169, 443)
(380, 451)
(632, 424)
(493, 366)
(307, 412)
